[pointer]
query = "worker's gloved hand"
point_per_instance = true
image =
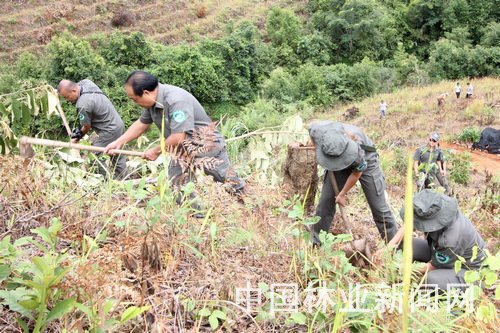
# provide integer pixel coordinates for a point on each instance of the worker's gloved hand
(76, 133)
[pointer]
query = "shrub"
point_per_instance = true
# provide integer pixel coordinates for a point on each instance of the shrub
(315, 48)
(283, 27)
(474, 109)
(469, 135)
(311, 85)
(460, 168)
(281, 86)
(244, 61)
(199, 73)
(29, 66)
(120, 49)
(491, 34)
(487, 116)
(73, 58)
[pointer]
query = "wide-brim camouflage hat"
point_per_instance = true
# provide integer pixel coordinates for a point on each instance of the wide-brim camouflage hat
(432, 211)
(334, 149)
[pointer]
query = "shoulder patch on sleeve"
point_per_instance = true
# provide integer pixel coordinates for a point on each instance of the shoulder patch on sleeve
(81, 116)
(179, 116)
(442, 258)
(361, 166)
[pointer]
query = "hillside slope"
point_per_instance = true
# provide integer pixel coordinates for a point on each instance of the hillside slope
(139, 248)
(29, 25)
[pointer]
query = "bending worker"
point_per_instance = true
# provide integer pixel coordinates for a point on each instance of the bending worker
(95, 111)
(347, 152)
(448, 235)
(182, 115)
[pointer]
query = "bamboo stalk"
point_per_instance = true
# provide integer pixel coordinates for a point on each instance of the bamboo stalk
(52, 143)
(407, 245)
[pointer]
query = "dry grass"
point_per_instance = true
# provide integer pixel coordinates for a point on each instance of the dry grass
(188, 261)
(26, 27)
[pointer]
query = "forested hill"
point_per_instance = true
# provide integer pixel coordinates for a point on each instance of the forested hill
(227, 53)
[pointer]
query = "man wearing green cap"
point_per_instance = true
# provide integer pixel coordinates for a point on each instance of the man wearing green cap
(347, 152)
(449, 235)
(429, 164)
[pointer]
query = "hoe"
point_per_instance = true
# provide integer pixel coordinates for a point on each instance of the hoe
(28, 152)
(358, 251)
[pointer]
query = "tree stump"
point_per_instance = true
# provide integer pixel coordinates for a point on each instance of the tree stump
(301, 173)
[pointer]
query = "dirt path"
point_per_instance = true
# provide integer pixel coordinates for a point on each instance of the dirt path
(480, 160)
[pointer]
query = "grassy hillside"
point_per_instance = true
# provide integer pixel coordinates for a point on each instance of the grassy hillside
(29, 25)
(131, 245)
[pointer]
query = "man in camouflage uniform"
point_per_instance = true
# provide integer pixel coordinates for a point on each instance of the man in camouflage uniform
(430, 165)
(95, 111)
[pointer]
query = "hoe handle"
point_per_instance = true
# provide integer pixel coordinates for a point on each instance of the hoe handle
(51, 143)
(331, 175)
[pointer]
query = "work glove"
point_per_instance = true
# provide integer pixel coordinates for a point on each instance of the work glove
(76, 133)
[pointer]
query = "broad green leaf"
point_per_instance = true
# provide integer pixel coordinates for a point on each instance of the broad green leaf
(61, 308)
(497, 293)
(214, 322)
(486, 313)
(108, 306)
(30, 304)
(458, 266)
(55, 226)
(493, 262)
(205, 312)
(41, 265)
(471, 276)
(12, 298)
(219, 314)
(23, 241)
(299, 318)
(44, 234)
(33, 105)
(490, 278)
(213, 229)
(26, 114)
(44, 105)
(85, 309)
(4, 272)
(52, 103)
(132, 312)
(17, 110)
(264, 287)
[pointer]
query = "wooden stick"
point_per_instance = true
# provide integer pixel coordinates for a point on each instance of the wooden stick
(25, 141)
(64, 120)
(347, 226)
